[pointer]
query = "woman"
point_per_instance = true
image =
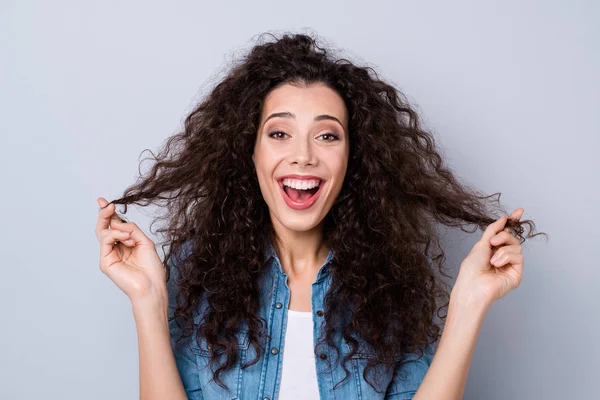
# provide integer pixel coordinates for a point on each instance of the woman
(301, 198)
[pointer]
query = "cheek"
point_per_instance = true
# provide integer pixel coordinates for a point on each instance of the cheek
(339, 168)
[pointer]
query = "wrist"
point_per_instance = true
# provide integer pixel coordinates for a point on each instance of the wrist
(469, 292)
(462, 299)
(155, 303)
(465, 315)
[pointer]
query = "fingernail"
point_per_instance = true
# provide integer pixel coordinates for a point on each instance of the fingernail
(494, 259)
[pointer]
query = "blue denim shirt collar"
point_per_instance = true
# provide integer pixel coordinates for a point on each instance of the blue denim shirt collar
(321, 274)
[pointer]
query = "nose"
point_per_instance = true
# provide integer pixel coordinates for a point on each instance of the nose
(303, 154)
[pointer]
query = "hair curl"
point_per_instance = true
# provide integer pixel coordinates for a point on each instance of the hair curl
(381, 226)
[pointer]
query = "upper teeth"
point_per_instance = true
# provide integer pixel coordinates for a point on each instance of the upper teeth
(301, 184)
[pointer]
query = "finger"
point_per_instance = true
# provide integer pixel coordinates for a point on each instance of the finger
(502, 251)
(493, 229)
(128, 242)
(517, 214)
(504, 237)
(106, 216)
(108, 237)
(103, 216)
(515, 259)
(137, 235)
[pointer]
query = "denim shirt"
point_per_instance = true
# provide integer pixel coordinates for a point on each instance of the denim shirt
(262, 379)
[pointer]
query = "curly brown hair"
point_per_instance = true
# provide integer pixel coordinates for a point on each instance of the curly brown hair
(388, 264)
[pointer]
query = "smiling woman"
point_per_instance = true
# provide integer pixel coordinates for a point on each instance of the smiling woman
(301, 153)
(302, 199)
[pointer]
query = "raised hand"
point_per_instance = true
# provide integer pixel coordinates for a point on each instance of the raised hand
(128, 257)
(494, 266)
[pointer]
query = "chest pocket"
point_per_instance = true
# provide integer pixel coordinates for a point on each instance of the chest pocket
(408, 375)
(378, 376)
(232, 378)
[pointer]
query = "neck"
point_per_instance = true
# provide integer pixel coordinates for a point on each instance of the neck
(301, 254)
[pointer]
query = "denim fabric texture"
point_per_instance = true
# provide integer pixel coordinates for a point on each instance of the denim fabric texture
(262, 380)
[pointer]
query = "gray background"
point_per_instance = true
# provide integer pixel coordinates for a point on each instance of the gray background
(509, 88)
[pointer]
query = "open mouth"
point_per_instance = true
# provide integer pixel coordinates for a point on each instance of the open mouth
(300, 194)
(300, 199)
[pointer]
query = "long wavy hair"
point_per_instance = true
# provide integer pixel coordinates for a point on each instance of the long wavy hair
(388, 278)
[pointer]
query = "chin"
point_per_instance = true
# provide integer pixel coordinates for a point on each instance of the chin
(298, 223)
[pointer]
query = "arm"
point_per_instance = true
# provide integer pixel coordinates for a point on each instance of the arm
(129, 258)
(447, 375)
(159, 376)
(481, 281)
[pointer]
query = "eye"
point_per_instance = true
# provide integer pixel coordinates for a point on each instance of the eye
(333, 135)
(272, 134)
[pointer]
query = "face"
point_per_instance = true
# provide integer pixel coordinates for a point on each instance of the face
(299, 134)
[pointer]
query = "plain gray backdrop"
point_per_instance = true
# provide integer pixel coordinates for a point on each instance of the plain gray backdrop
(509, 88)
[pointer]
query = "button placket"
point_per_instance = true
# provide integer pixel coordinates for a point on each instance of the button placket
(275, 350)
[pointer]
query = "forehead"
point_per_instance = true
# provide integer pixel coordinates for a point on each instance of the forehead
(309, 101)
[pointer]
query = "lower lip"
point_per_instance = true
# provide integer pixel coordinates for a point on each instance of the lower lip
(301, 205)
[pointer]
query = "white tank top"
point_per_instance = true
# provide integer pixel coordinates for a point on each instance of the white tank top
(298, 372)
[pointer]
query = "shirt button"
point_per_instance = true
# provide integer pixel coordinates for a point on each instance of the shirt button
(274, 350)
(320, 313)
(323, 356)
(266, 398)
(278, 305)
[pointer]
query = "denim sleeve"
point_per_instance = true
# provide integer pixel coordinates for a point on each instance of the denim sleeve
(184, 357)
(410, 374)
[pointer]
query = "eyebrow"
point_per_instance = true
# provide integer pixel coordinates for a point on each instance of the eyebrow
(287, 114)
